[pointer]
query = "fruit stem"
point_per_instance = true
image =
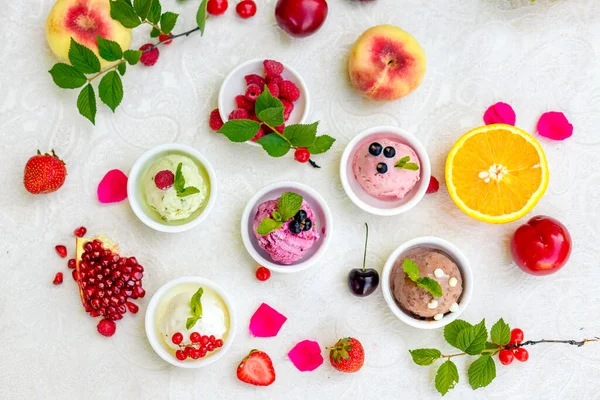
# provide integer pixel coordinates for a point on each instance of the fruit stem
(187, 33)
(313, 164)
(366, 242)
(91, 78)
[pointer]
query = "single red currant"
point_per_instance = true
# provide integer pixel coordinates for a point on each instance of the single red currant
(506, 357)
(204, 340)
(516, 336)
(246, 8)
(263, 274)
(211, 339)
(210, 347)
(219, 343)
(180, 355)
(521, 354)
(177, 338)
(188, 351)
(163, 36)
(217, 7)
(195, 337)
(302, 155)
(202, 352)
(195, 354)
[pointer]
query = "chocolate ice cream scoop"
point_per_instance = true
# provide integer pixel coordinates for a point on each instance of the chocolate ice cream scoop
(433, 264)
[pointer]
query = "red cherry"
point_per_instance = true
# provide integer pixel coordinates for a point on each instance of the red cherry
(301, 18)
(180, 355)
(58, 278)
(542, 246)
(516, 336)
(246, 8)
(302, 155)
(217, 7)
(177, 338)
(506, 357)
(163, 36)
(80, 232)
(263, 274)
(61, 250)
(195, 337)
(521, 354)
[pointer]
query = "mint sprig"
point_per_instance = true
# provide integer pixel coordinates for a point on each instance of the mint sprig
(287, 207)
(404, 163)
(412, 271)
(179, 184)
(269, 110)
(195, 309)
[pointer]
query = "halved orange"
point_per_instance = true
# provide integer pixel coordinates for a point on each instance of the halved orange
(496, 173)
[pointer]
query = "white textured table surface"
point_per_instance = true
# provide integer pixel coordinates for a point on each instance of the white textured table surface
(536, 57)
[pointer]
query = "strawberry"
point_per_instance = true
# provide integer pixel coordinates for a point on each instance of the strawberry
(347, 355)
(44, 173)
(256, 369)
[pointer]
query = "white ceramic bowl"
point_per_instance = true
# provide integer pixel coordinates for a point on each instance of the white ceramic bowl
(156, 341)
(323, 222)
(364, 200)
(455, 254)
(136, 197)
(235, 84)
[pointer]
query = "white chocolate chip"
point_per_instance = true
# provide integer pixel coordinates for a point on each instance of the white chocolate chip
(454, 307)
(432, 304)
(438, 273)
(438, 317)
(452, 282)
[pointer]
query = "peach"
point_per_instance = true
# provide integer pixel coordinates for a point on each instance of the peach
(83, 20)
(386, 63)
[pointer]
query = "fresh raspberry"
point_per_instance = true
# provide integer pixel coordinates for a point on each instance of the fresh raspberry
(149, 58)
(243, 102)
(434, 185)
(255, 79)
(273, 67)
(215, 120)
(252, 116)
(273, 89)
(162, 37)
(239, 113)
(288, 107)
(253, 92)
(277, 79)
(106, 327)
(289, 91)
(164, 179)
(261, 133)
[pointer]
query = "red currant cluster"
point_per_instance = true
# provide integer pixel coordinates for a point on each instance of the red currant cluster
(201, 345)
(507, 356)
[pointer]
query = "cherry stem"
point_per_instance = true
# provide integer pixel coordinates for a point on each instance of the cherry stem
(366, 242)
(187, 33)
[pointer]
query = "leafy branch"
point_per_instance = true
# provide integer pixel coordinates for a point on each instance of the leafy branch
(473, 340)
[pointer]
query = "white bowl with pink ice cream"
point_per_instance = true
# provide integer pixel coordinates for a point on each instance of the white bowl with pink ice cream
(385, 170)
(293, 243)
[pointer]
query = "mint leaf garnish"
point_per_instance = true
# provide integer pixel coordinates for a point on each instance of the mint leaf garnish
(154, 33)
(431, 285)
(274, 145)
(201, 16)
(168, 21)
(425, 356)
(188, 191)
(268, 225)
(132, 56)
(411, 269)
(482, 372)
(179, 184)
(190, 322)
(446, 377)
(288, 205)
(83, 59)
(110, 90)
(122, 68)
(404, 163)
(108, 49)
(240, 130)
(472, 340)
(301, 135)
(86, 103)
(321, 144)
(196, 303)
(272, 116)
(122, 11)
(452, 330)
(142, 7)
(500, 333)
(67, 77)
(266, 100)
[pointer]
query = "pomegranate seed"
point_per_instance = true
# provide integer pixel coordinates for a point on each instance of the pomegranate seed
(137, 276)
(133, 308)
(88, 247)
(121, 309)
(94, 313)
(195, 337)
(95, 302)
(58, 278)
(177, 338)
(111, 309)
(140, 292)
(132, 261)
(107, 327)
(116, 316)
(71, 263)
(61, 250)
(80, 232)
(180, 355)
(75, 275)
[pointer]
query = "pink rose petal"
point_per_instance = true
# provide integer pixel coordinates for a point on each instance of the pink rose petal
(499, 113)
(113, 187)
(266, 321)
(306, 356)
(554, 125)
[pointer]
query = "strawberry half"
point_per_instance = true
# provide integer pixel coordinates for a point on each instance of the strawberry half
(256, 369)
(347, 355)
(44, 173)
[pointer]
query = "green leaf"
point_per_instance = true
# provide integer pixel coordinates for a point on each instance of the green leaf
(154, 33)
(482, 372)
(240, 130)
(191, 321)
(83, 59)
(446, 377)
(452, 330)
(276, 216)
(266, 100)
(491, 346)
(155, 12)
(472, 340)
(411, 269)
(110, 90)
(142, 8)
(132, 56)
(425, 356)
(500, 333)
(288, 205)
(272, 116)
(67, 77)
(268, 225)
(168, 21)
(411, 166)
(179, 184)
(201, 16)
(321, 144)
(404, 163)
(188, 191)
(109, 50)
(431, 285)
(301, 135)
(86, 103)
(122, 11)
(274, 145)
(196, 303)
(122, 68)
